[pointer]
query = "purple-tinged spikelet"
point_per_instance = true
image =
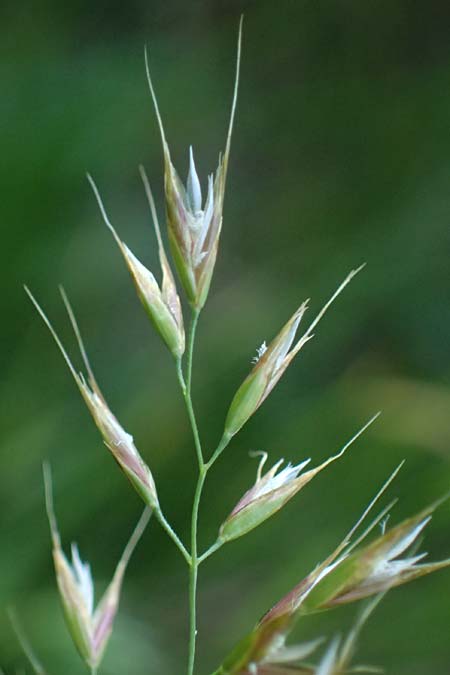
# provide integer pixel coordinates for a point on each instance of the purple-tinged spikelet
(117, 440)
(90, 627)
(194, 226)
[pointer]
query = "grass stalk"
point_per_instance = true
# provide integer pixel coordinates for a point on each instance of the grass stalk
(193, 575)
(186, 386)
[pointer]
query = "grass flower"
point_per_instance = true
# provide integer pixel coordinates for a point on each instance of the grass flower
(378, 567)
(161, 304)
(194, 224)
(272, 491)
(271, 363)
(117, 440)
(90, 626)
(347, 574)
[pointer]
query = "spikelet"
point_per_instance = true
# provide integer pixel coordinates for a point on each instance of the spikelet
(272, 362)
(161, 304)
(90, 627)
(194, 225)
(117, 440)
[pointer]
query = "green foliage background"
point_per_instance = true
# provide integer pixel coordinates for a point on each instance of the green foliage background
(340, 155)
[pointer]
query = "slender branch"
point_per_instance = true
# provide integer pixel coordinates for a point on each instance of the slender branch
(212, 549)
(181, 379)
(135, 537)
(188, 397)
(25, 644)
(190, 350)
(191, 414)
(226, 438)
(348, 648)
(172, 534)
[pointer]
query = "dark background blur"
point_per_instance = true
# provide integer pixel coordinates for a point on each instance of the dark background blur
(341, 154)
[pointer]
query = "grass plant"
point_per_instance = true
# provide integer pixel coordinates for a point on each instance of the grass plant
(362, 566)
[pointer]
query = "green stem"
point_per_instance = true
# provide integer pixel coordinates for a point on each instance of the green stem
(195, 560)
(194, 573)
(172, 534)
(186, 386)
(190, 410)
(226, 438)
(190, 350)
(212, 549)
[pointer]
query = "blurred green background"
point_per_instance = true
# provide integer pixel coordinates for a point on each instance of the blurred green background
(341, 154)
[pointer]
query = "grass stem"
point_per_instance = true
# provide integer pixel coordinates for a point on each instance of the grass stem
(186, 386)
(193, 576)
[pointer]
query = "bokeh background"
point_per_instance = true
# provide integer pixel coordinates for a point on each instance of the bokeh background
(341, 154)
